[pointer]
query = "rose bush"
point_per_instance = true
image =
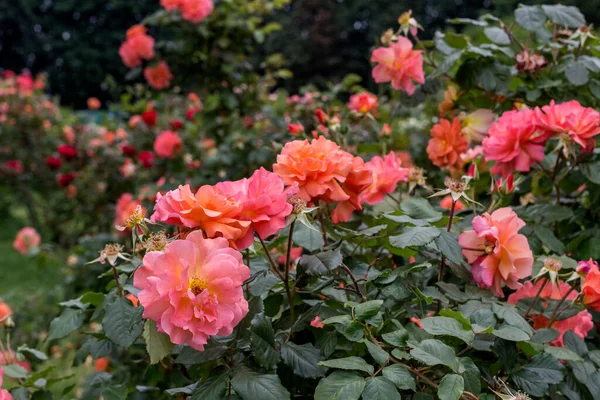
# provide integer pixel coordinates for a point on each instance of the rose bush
(436, 239)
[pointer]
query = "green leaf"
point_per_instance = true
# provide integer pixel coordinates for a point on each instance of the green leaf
(321, 263)
(367, 309)
(212, 350)
(419, 208)
(70, 320)
(471, 375)
(303, 359)
(354, 331)
(447, 243)
(158, 345)
(546, 235)
(577, 73)
(591, 171)
(349, 363)
(114, 392)
(379, 355)
(567, 16)
(451, 387)
(435, 352)
(400, 376)
(396, 338)
(250, 385)
(340, 385)
(536, 376)
(530, 18)
(544, 335)
(511, 333)
(122, 321)
(35, 353)
(262, 339)
(212, 388)
(415, 236)
(497, 35)
(562, 353)
(380, 388)
(308, 238)
(457, 315)
(447, 326)
(15, 371)
(512, 317)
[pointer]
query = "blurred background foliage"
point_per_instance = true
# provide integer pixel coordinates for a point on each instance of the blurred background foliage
(76, 41)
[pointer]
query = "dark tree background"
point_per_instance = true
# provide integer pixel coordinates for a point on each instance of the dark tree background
(76, 41)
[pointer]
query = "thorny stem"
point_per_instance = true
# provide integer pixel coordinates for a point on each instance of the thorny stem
(356, 287)
(555, 313)
(116, 277)
(537, 296)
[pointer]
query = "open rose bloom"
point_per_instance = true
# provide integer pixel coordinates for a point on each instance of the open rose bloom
(580, 324)
(193, 290)
(399, 64)
(137, 47)
(27, 241)
(496, 251)
(158, 76)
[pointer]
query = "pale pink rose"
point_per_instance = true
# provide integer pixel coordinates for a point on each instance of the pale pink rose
(580, 324)
(193, 290)
(27, 240)
(514, 142)
(571, 121)
(318, 167)
(496, 251)
(476, 124)
(159, 76)
(196, 10)
(399, 64)
(263, 199)
(363, 102)
(137, 47)
(387, 172)
(4, 394)
(357, 181)
(170, 5)
(168, 144)
(209, 209)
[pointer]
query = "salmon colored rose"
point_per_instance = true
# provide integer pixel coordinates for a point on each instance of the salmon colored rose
(496, 251)
(138, 46)
(591, 288)
(447, 143)
(580, 324)
(193, 290)
(399, 64)
(571, 121)
(159, 76)
(168, 144)
(446, 203)
(387, 172)
(357, 181)
(195, 10)
(170, 5)
(27, 240)
(363, 103)
(514, 142)
(5, 312)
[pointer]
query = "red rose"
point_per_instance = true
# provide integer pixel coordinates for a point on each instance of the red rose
(149, 117)
(67, 152)
(176, 124)
(128, 150)
(189, 115)
(14, 166)
(53, 162)
(146, 158)
(65, 179)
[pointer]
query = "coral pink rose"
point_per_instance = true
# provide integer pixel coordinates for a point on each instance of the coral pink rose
(580, 324)
(447, 143)
(514, 142)
(137, 47)
(168, 144)
(446, 203)
(295, 129)
(570, 120)
(93, 103)
(496, 251)
(591, 287)
(317, 322)
(196, 10)
(193, 290)
(363, 102)
(159, 76)
(209, 209)
(27, 240)
(126, 206)
(5, 312)
(170, 5)
(263, 199)
(357, 181)
(386, 172)
(399, 64)
(318, 167)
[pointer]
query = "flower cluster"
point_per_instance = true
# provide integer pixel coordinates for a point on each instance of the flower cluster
(191, 10)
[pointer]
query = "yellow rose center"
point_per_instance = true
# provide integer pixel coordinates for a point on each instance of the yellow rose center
(198, 285)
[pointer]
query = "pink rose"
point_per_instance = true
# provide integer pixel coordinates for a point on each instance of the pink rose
(399, 64)
(27, 240)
